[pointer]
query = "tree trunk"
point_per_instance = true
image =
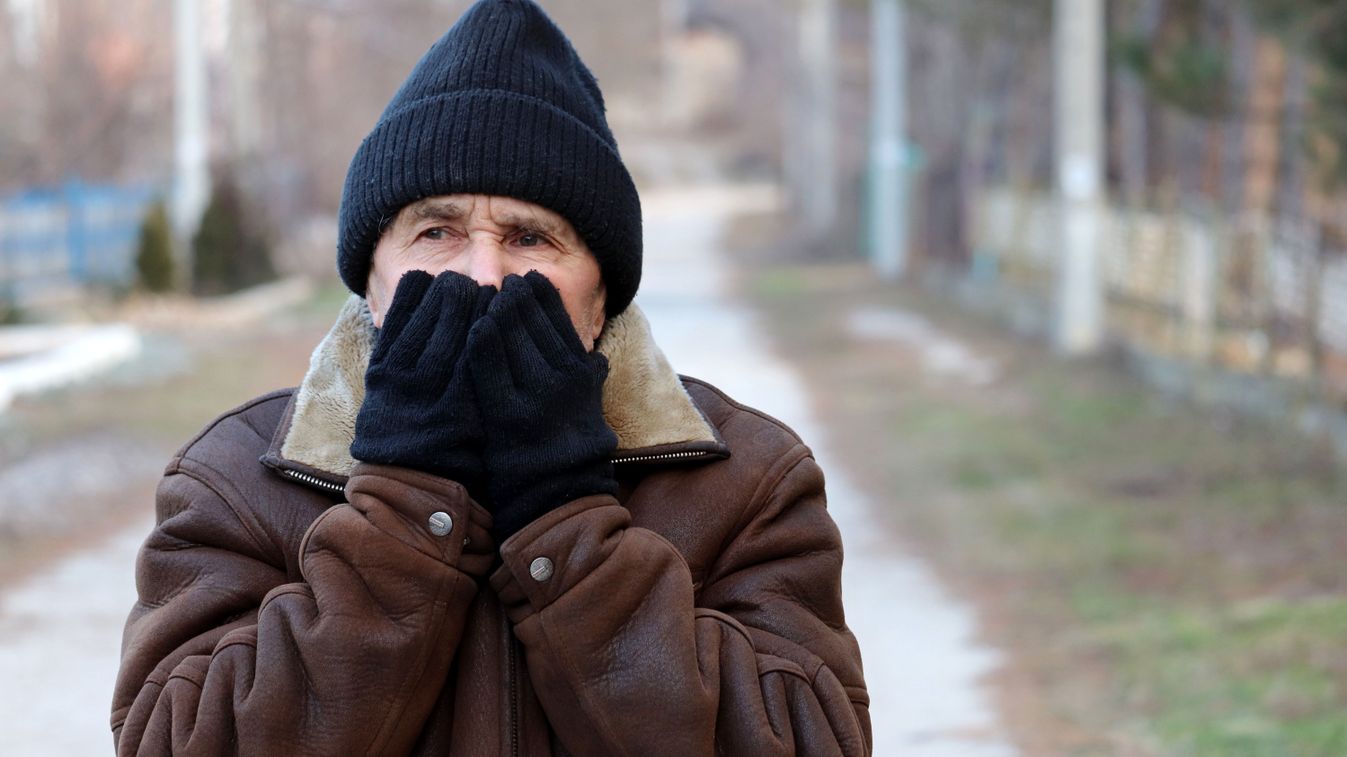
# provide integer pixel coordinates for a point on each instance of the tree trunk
(1262, 143)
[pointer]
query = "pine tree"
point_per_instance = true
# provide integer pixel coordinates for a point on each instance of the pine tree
(154, 255)
(231, 251)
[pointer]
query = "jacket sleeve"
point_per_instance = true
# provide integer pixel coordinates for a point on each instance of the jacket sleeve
(628, 658)
(222, 656)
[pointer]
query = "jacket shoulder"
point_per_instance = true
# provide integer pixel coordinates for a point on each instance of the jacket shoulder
(743, 427)
(239, 435)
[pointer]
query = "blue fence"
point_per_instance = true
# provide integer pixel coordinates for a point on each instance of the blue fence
(68, 237)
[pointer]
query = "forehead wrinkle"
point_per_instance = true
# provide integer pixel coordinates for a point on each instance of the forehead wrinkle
(436, 210)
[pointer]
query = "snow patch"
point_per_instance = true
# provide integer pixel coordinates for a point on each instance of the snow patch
(941, 356)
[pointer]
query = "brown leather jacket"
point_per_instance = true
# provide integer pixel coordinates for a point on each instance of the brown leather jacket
(293, 601)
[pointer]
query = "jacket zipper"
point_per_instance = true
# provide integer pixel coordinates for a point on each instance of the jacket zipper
(514, 694)
(314, 481)
(339, 489)
(665, 456)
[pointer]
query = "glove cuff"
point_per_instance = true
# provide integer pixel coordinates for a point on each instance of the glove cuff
(515, 509)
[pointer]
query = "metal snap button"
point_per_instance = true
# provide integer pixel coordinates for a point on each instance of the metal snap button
(441, 524)
(540, 569)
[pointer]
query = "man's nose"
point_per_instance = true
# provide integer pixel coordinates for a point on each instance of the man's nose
(486, 262)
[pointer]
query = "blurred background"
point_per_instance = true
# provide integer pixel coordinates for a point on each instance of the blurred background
(1057, 290)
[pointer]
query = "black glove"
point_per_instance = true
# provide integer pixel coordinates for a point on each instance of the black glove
(541, 398)
(419, 411)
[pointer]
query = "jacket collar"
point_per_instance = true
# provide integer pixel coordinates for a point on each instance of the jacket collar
(644, 401)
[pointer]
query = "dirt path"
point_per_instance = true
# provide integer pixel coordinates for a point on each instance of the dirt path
(923, 666)
(60, 633)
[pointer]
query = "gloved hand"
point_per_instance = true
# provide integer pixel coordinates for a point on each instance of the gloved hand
(419, 410)
(541, 398)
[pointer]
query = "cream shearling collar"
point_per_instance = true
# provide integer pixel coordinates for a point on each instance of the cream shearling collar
(643, 401)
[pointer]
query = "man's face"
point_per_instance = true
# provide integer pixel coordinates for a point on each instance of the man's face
(486, 238)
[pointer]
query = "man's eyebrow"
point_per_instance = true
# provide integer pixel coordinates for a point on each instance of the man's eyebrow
(448, 211)
(533, 221)
(442, 210)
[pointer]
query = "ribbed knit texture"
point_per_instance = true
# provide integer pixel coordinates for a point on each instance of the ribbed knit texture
(500, 105)
(418, 410)
(540, 394)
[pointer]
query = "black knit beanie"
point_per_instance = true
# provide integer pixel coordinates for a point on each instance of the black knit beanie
(500, 105)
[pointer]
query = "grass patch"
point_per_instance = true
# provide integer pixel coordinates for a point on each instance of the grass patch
(143, 414)
(224, 369)
(325, 302)
(1243, 681)
(1168, 580)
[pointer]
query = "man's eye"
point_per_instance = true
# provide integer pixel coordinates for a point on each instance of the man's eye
(530, 240)
(434, 234)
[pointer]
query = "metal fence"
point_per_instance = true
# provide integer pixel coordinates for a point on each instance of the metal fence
(1244, 296)
(58, 239)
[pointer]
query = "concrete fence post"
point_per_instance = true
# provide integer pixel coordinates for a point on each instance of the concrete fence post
(1079, 115)
(1199, 289)
(888, 212)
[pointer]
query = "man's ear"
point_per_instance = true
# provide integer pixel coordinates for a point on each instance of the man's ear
(600, 316)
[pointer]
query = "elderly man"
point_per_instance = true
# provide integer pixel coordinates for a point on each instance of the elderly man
(491, 520)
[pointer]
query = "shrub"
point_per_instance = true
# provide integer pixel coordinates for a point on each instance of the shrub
(154, 255)
(230, 250)
(10, 315)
